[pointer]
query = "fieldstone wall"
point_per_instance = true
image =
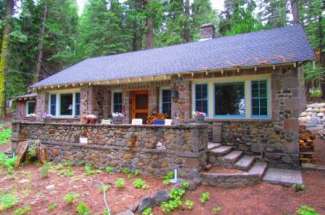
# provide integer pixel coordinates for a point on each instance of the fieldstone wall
(181, 105)
(152, 149)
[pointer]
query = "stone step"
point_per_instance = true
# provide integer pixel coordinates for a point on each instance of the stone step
(245, 162)
(258, 168)
(229, 180)
(285, 177)
(213, 145)
(221, 150)
(232, 156)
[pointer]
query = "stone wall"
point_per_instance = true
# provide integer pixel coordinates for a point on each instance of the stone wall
(182, 103)
(151, 149)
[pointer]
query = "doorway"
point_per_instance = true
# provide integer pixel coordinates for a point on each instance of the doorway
(139, 105)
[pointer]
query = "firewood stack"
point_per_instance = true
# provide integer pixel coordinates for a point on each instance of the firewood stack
(306, 144)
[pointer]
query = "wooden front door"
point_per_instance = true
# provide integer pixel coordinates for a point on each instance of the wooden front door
(139, 105)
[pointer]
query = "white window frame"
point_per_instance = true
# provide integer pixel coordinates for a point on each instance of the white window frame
(248, 98)
(58, 102)
(160, 97)
(112, 98)
(31, 114)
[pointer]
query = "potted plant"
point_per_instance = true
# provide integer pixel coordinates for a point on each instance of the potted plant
(199, 116)
(117, 118)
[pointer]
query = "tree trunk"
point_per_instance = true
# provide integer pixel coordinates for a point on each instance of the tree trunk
(40, 46)
(149, 28)
(322, 50)
(186, 29)
(295, 11)
(5, 56)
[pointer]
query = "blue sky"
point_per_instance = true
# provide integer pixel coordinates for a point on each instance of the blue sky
(216, 4)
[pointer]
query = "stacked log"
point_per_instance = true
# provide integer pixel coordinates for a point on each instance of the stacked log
(306, 144)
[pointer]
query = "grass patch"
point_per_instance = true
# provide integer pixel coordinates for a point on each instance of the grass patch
(5, 135)
(7, 200)
(7, 163)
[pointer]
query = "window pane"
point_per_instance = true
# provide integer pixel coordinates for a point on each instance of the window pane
(53, 105)
(66, 104)
(77, 104)
(31, 107)
(117, 100)
(201, 98)
(259, 98)
(230, 99)
(166, 102)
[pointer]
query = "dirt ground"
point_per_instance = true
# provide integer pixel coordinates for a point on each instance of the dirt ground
(319, 155)
(259, 199)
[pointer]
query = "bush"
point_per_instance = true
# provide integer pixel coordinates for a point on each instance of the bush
(216, 210)
(109, 169)
(139, 183)
(7, 200)
(51, 207)
(69, 198)
(204, 197)
(126, 171)
(147, 211)
(120, 183)
(45, 170)
(5, 135)
(23, 211)
(31, 153)
(169, 176)
(188, 204)
(82, 209)
(298, 187)
(306, 210)
(7, 163)
(89, 170)
(176, 195)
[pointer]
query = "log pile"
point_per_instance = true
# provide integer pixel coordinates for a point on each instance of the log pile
(306, 144)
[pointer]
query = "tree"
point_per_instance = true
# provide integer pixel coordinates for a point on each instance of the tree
(273, 13)
(4, 57)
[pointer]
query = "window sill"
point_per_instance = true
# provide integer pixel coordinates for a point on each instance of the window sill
(269, 119)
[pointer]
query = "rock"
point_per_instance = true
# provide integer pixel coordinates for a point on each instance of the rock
(23, 181)
(195, 179)
(161, 196)
(50, 187)
(146, 202)
(127, 212)
(20, 152)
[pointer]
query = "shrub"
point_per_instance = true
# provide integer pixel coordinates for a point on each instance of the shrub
(169, 176)
(31, 153)
(298, 187)
(106, 212)
(147, 211)
(51, 207)
(7, 201)
(216, 210)
(45, 170)
(7, 163)
(139, 183)
(23, 211)
(176, 195)
(126, 171)
(204, 197)
(120, 183)
(89, 170)
(69, 198)
(306, 210)
(185, 185)
(109, 169)
(188, 204)
(5, 135)
(82, 209)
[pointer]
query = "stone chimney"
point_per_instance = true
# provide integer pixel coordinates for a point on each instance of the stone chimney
(207, 32)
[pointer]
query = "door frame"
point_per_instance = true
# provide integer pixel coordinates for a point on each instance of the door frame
(133, 110)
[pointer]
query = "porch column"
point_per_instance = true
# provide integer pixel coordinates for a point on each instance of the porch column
(126, 105)
(86, 104)
(181, 105)
(41, 105)
(153, 100)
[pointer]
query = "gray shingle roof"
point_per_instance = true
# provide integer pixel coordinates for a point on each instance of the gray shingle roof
(280, 45)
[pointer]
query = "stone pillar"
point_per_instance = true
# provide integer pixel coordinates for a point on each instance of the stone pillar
(126, 105)
(107, 103)
(20, 110)
(86, 105)
(153, 100)
(181, 105)
(41, 105)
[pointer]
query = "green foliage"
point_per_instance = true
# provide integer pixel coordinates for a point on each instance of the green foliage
(188, 204)
(147, 211)
(104, 187)
(126, 171)
(5, 135)
(23, 211)
(89, 170)
(119, 183)
(32, 153)
(216, 210)
(82, 209)
(70, 198)
(45, 170)
(139, 183)
(169, 176)
(204, 197)
(64, 169)
(306, 210)
(185, 185)
(7, 163)
(175, 201)
(7, 200)
(298, 187)
(51, 207)
(109, 169)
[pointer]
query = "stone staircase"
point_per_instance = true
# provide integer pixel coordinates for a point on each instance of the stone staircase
(232, 168)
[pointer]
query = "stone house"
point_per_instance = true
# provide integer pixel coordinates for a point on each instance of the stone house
(251, 87)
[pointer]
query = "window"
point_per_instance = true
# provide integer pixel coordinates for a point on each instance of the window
(53, 104)
(77, 104)
(117, 102)
(64, 104)
(230, 99)
(259, 98)
(201, 98)
(30, 108)
(166, 102)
